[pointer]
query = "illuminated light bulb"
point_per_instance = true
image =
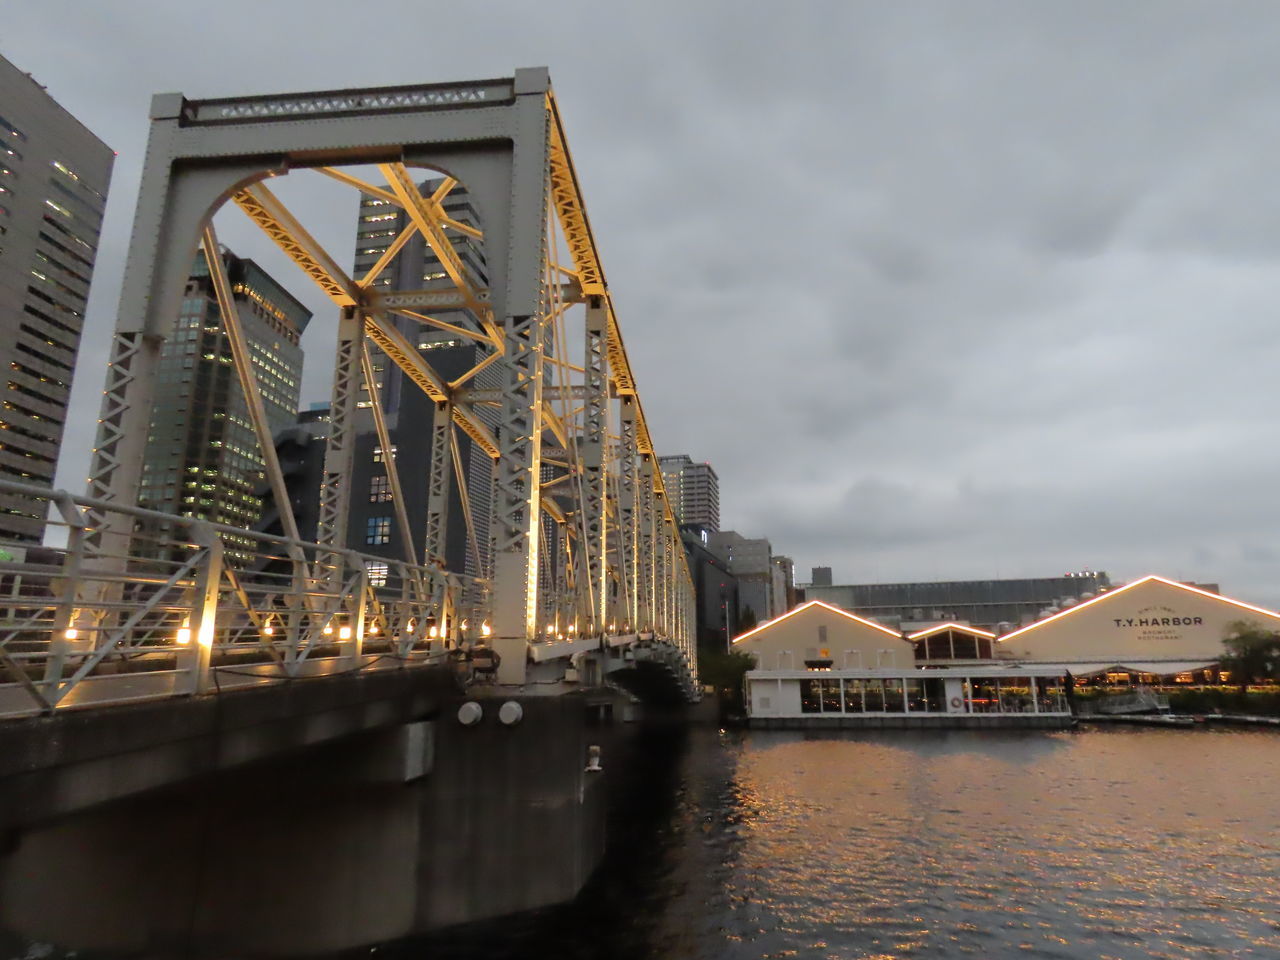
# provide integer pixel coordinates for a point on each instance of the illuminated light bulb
(485, 629)
(72, 633)
(268, 630)
(344, 633)
(184, 635)
(431, 632)
(328, 629)
(464, 624)
(373, 630)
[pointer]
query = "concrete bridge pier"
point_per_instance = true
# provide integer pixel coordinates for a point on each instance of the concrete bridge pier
(370, 838)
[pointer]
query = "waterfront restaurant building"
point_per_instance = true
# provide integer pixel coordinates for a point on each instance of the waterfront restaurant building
(820, 665)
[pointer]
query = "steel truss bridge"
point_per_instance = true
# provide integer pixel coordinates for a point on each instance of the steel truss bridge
(576, 545)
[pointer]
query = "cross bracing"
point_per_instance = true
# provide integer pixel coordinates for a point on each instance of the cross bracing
(569, 532)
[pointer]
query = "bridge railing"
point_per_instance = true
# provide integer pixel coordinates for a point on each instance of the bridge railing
(184, 606)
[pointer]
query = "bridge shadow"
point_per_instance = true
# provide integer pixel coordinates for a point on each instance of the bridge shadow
(666, 774)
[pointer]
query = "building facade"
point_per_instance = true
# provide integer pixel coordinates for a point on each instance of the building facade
(693, 489)
(995, 604)
(761, 582)
(203, 459)
(54, 175)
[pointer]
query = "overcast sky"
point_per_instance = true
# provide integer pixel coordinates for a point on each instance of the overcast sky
(943, 290)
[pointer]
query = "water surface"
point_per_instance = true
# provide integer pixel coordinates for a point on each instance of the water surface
(1131, 843)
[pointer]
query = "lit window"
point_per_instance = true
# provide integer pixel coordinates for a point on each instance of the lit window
(378, 530)
(379, 490)
(377, 453)
(377, 573)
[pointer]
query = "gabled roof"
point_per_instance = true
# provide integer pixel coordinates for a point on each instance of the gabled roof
(1118, 591)
(958, 627)
(826, 606)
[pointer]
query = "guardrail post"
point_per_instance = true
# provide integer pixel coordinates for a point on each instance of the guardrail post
(204, 607)
(65, 639)
(355, 644)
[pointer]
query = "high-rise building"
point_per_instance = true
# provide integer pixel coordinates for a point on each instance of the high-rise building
(203, 458)
(410, 413)
(693, 490)
(715, 592)
(761, 583)
(54, 175)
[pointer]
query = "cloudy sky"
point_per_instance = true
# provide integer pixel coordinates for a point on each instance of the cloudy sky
(944, 290)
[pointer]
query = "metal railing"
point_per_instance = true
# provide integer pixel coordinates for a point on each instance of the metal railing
(184, 606)
(1142, 700)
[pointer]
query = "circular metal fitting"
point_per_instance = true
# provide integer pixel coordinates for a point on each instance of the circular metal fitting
(510, 713)
(469, 713)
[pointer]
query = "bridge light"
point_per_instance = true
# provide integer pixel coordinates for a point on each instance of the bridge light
(72, 633)
(373, 630)
(328, 629)
(485, 629)
(432, 632)
(268, 630)
(184, 635)
(344, 633)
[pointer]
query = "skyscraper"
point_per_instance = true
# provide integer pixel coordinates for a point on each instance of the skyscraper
(409, 412)
(54, 175)
(203, 458)
(750, 560)
(693, 489)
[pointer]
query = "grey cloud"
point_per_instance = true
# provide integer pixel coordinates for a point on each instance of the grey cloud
(941, 289)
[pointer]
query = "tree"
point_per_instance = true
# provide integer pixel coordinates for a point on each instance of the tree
(1253, 653)
(725, 672)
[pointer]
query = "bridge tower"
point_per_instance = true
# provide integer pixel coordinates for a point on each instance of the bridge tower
(579, 542)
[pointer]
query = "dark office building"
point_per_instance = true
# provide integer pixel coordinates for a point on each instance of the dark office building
(715, 591)
(53, 191)
(983, 603)
(203, 458)
(300, 450)
(410, 412)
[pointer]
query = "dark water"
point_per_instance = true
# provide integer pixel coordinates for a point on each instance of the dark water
(1102, 844)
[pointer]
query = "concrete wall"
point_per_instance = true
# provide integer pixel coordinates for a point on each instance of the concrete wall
(328, 850)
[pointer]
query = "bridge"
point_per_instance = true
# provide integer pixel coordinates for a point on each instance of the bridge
(118, 645)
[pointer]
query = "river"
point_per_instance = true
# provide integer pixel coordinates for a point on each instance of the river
(1129, 843)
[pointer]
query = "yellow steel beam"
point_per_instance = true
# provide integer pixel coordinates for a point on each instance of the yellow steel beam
(405, 356)
(363, 186)
(454, 384)
(426, 213)
(388, 255)
(266, 210)
(444, 325)
(567, 198)
(554, 424)
(553, 509)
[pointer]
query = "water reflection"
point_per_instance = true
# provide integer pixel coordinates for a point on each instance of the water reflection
(990, 844)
